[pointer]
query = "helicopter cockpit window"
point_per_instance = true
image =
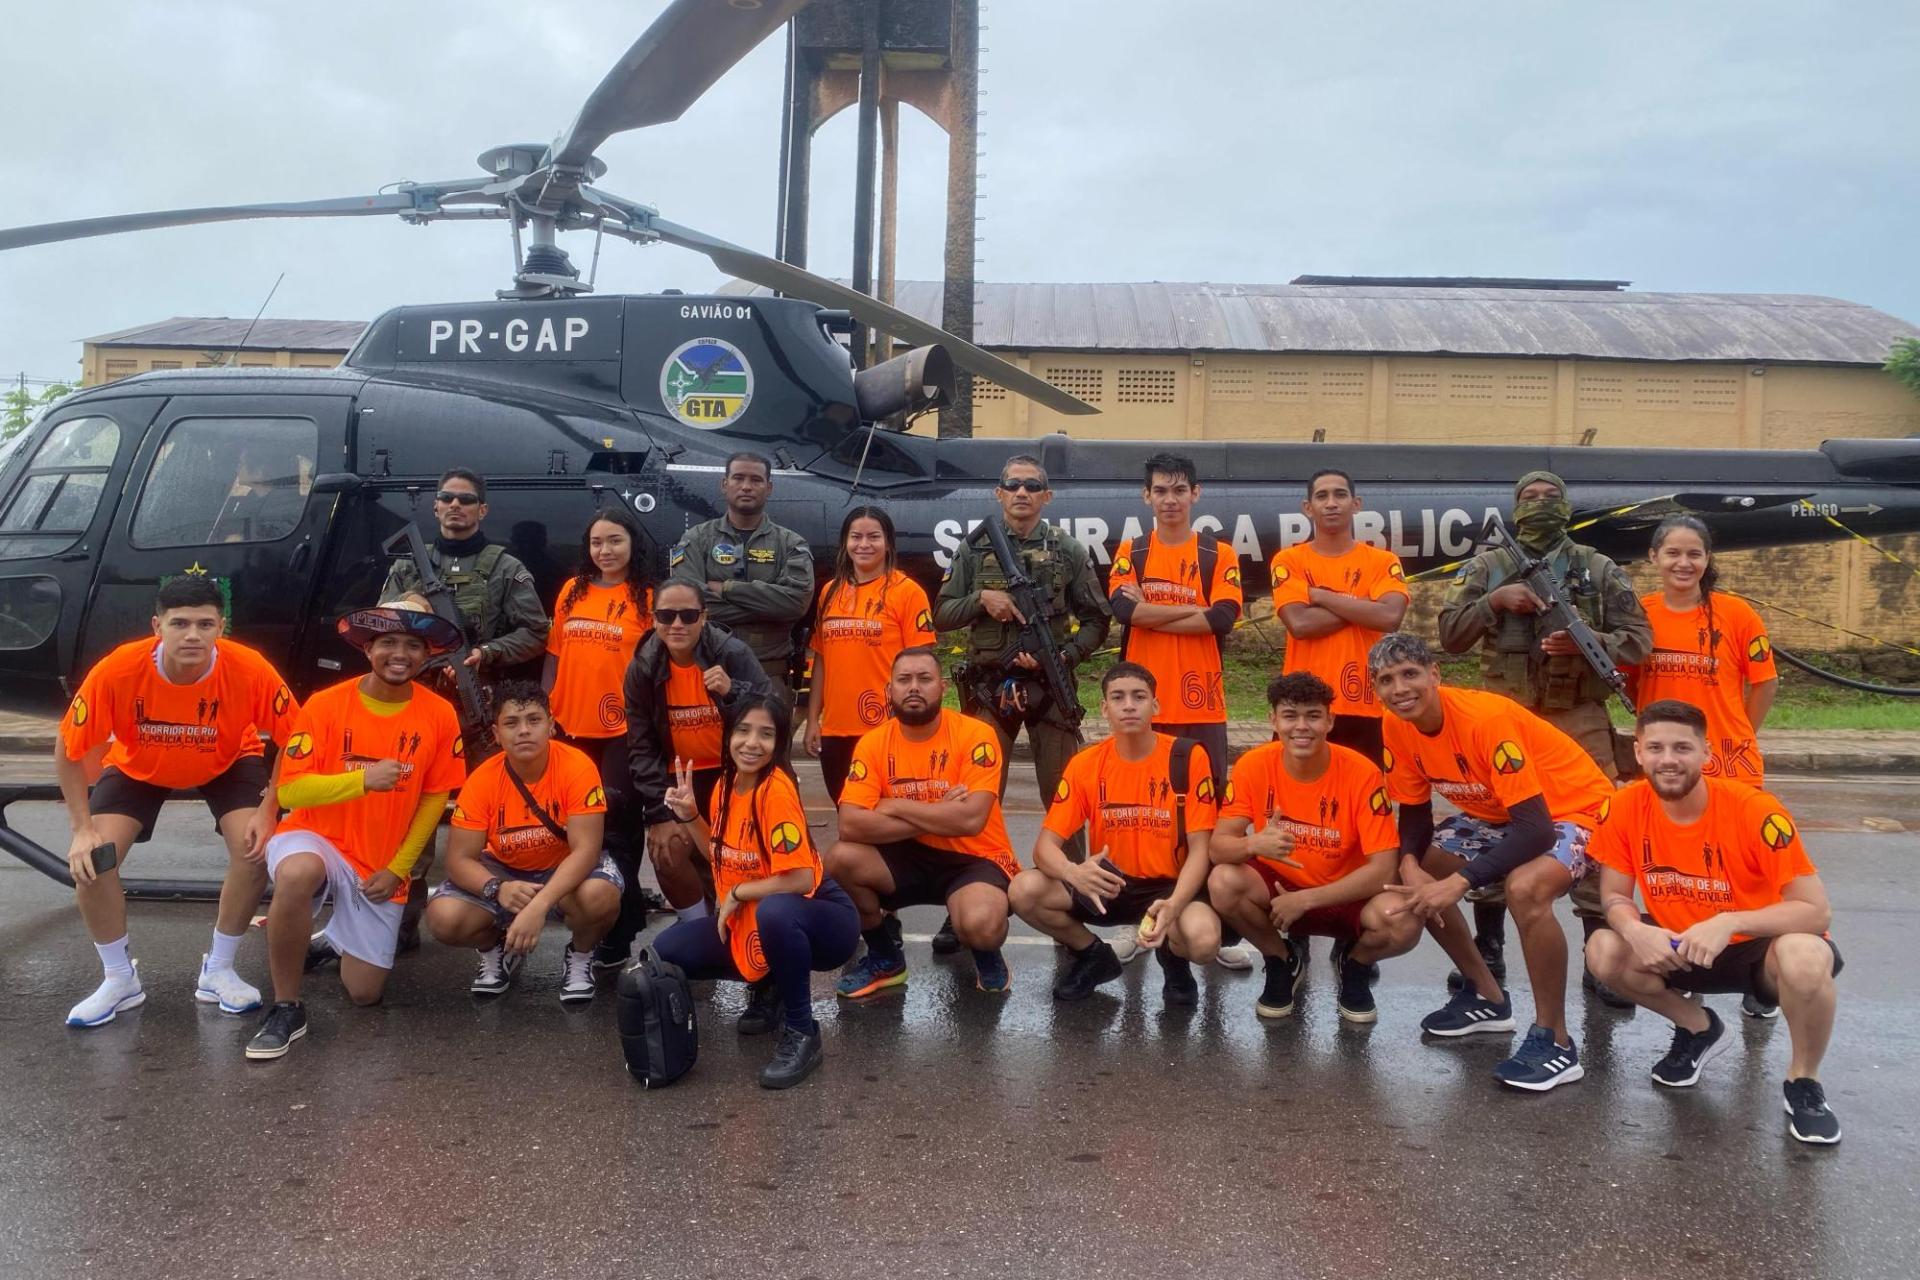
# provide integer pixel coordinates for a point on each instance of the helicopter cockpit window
(219, 480)
(60, 489)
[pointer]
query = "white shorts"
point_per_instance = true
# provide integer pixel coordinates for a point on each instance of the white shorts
(365, 930)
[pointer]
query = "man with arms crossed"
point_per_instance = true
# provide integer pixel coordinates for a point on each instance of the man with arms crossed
(1529, 797)
(1733, 904)
(179, 710)
(1306, 845)
(1147, 828)
(920, 824)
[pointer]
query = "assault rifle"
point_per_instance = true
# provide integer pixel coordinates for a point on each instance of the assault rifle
(1559, 615)
(476, 726)
(1036, 633)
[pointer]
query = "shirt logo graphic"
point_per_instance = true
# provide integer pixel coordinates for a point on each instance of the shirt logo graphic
(1777, 830)
(984, 757)
(299, 746)
(1205, 790)
(1759, 650)
(1379, 803)
(1386, 759)
(857, 771)
(282, 699)
(923, 621)
(1233, 576)
(1061, 791)
(1507, 757)
(785, 838)
(595, 798)
(78, 711)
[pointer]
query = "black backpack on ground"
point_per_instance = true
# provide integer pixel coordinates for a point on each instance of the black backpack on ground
(653, 1007)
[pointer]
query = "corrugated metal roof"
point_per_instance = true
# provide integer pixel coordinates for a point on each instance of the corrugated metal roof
(222, 333)
(1395, 320)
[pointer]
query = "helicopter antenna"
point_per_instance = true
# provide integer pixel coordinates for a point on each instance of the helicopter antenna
(235, 351)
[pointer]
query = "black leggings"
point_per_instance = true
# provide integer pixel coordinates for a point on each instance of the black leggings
(836, 757)
(798, 936)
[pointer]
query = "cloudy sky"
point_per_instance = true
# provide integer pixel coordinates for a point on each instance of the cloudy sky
(1743, 147)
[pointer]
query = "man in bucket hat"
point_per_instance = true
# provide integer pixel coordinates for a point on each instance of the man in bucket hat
(366, 772)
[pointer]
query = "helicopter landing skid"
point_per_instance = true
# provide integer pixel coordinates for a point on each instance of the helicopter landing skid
(54, 866)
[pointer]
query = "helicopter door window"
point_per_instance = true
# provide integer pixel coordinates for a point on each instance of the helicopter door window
(224, 480)
(55, 502)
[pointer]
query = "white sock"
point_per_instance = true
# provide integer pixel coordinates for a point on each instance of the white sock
(694, 912)
(220, 954)
(114, 958)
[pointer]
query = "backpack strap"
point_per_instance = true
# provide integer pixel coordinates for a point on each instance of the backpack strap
(546, 819)
(1180, 777)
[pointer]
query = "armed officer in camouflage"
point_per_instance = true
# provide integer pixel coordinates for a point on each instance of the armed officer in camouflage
(974, 596)
(1544, 671)
(755, 576)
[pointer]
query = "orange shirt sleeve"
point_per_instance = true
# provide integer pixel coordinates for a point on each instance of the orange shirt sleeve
(863, 789)
(1242, 785)
(1374, 824)
(1773, 838)
(913, 613)
(1611, 844)
(1289, 585)
(1509, 765)
(300, 754)
(1203, 806)
(447, 767)
(478, 800)
(1124, 572)
(1392, 580)
(1755, 649)
(1072, 800)
(1405, 783)
(88, 721)
(1226, 577)
(580, 785)
(560, 615)
(980, 769)
(274, 707)
(788, 844)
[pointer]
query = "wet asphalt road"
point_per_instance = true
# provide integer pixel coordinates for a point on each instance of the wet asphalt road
(949, 1133)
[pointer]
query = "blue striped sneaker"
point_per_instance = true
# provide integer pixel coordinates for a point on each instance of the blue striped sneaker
(1540, 1064)
(1465, 1014)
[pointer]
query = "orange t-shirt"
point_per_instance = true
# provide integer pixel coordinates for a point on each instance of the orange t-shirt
(962, 752)
(1490, 754)
(1338, 820)
(1738, 857)
(1711, 672)
(1186, 667)
(1127, 805)
(1340, 659)
(765, 834)
(861, 628)
(693, 718)
(592, 642)
(177, 735)
(336, 733)
(490, 802)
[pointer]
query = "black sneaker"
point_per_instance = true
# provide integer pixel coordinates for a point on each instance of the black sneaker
(1809, 1118)
(1177, 988)
(652, 903)
(1754, 1007)
(286, 1021)
(794, 1058)
(1467, 1014)
(320, 953)
(1356, 992)
(1338, 958)
(1690, 1051)
(1091, 967)
(1540, 1064)
(1605, 994)
(608, 957)
(1494, 952)
(945, 941)
(1283, 979)
(762, 1013)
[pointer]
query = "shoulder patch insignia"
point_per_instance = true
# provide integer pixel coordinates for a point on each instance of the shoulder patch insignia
(1280, 574)
(785, 838)
(857, 771)
(760, 555)
(984, 755)
(1233, 576)
(459, 747)
(923, 620)
(1396, 572)
(1386, 760)
(677, 556)
(1508, 758)
(1204, 790)
(1777, 830)
(1379, 803)
(282, 699)
(595, 797)
(1759, 649)
(299, 746)
(1123, 564)
(1060, 791)
(1606, 807)
(78, 711)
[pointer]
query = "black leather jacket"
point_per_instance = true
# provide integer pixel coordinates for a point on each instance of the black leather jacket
(649, 743)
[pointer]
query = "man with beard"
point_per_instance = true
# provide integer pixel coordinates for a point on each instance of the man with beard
(367, 772)
(1733, 905)
(920, 824)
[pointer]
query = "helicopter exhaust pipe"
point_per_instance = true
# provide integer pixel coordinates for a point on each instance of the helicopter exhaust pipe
(921, 379)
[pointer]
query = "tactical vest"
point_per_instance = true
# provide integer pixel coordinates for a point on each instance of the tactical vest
(471, 595)
(1510, 658)
(1048, 566)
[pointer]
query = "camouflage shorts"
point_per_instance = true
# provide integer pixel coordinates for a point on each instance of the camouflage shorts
(1469, 837)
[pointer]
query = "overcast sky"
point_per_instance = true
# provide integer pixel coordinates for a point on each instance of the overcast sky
(1739, 147)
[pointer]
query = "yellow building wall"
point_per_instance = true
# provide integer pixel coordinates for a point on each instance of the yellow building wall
(109, 364)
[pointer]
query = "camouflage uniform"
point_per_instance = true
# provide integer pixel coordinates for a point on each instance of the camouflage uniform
(1064, 569)
(766, 581)
(499, 606)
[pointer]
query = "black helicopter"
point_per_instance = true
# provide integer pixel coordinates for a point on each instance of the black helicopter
(284, 486)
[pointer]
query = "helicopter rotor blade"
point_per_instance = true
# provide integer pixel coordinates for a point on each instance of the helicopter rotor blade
(674, 61)
(82, 228)
(789, 279)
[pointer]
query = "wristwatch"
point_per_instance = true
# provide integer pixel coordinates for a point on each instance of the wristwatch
(491, 890)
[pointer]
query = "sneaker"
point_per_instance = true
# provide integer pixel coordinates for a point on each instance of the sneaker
(1178, 990)
(496, 971)
(1754, 1007)
(1239, 957)
(227, 989)
(1339, 959)
(1605, 994)
(795, 1056)
(1494, 952)
(108, 999)
(286, 1021)
(1690, 1051)
(990, 972)
(652, 903)
(1468, 1014)
(945, 941)
(607, 957)
(320, 952)
(1809, 1118)
(871, 974)
(1540, 1064)
(1283, 979)
(1125, 944)
(1091, 967)
(1356, 992)
(762, 1013)
(576, 976)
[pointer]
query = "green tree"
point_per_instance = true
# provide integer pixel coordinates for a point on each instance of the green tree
(19, 406)
(1904, 363)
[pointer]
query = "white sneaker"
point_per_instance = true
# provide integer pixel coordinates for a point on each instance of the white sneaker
(108, 999)
(1125, 943)
(576, 976)
(1239, 956)
(496, 972)
(224, 987)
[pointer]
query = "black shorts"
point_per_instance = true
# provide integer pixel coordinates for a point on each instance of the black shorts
(924, 876)
(1129, 906)
(1739, 970)
(1362, 734)
(238, 788)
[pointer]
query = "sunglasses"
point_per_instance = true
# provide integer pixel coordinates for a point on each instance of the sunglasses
(460, 496)
(686, 617)
(1024, 486)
